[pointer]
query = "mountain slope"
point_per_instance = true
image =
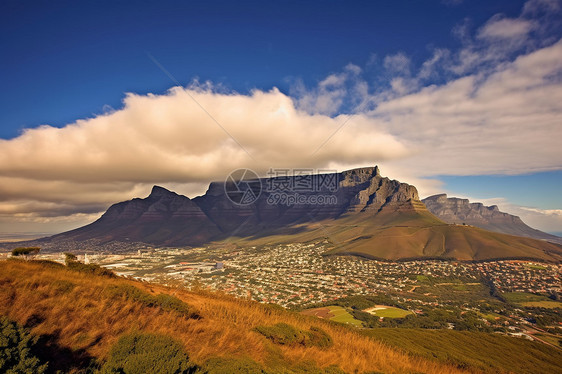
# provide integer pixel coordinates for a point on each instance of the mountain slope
(80, 317)
(360, 213)
(455, 210)
(163, 218)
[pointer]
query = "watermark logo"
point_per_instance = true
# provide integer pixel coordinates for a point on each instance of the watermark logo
(301, 180)
(283, 187)
(243, 187)
(301, 187)
(295, 198)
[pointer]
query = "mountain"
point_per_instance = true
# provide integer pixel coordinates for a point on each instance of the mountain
(455, 210)
(166, 218)
(358, 212)
(163, 218)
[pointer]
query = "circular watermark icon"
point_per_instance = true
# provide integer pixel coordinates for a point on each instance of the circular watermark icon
(242, 186)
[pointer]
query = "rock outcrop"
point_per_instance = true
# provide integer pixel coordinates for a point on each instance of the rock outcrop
(455, 210)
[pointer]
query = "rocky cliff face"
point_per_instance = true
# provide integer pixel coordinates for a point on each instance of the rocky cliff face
(455, 210)
(358, 211)
(166, 218)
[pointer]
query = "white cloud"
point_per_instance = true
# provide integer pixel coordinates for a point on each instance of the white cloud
(546, 212)
(170, 138)
(398, 63)
(430, 67)
(167, 139)
(505, 28)
(547, 220)
(533, 7)
(333, 92)
(493, 114)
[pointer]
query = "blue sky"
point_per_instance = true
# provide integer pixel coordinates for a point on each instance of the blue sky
(392, 66)
(73, 58)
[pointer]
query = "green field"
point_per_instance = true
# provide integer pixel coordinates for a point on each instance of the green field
(390, 312)
(341, 315)
(531, 300)
(523, 297)
(543, 304)
(491, 317)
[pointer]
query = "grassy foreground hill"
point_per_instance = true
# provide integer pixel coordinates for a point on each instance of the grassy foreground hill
(86, 320)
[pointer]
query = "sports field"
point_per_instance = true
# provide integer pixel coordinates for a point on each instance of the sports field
(334, 313)
(531, 300)
(387, 311)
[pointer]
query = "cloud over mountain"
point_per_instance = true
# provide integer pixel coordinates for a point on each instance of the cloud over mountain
(491, 106)
(169, 138)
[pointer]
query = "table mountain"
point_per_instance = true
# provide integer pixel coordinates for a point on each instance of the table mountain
(356, 212)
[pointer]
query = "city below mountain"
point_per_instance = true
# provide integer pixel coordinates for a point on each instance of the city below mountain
(359, 213)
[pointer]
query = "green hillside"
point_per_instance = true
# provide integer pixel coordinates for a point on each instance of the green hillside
(490, 352)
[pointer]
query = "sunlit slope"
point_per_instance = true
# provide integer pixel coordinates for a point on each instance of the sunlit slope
(419, 235)
(83, 315)
(491, 352)
(413, 233)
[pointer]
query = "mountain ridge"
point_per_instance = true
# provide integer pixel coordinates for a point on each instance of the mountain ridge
(362, 213)
(456, 210)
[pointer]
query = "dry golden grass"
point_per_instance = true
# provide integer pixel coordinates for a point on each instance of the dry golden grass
(83, 317)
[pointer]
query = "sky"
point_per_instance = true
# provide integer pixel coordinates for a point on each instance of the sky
(100, 100)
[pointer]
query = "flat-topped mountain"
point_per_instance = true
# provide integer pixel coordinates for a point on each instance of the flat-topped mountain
(358, 212)
(455, 210)
(166, 218)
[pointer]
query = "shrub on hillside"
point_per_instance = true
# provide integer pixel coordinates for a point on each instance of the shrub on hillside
(49, 264)
(90, 269)
(164, 301)
(24, 251)
(169, 302)
(319, 338)
(130, 292)
(140, 353)
(284, 334)
(16, 349)
(220, 365)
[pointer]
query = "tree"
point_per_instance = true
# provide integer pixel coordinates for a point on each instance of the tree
(16, 347)
(69, 257)
(25, 251)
